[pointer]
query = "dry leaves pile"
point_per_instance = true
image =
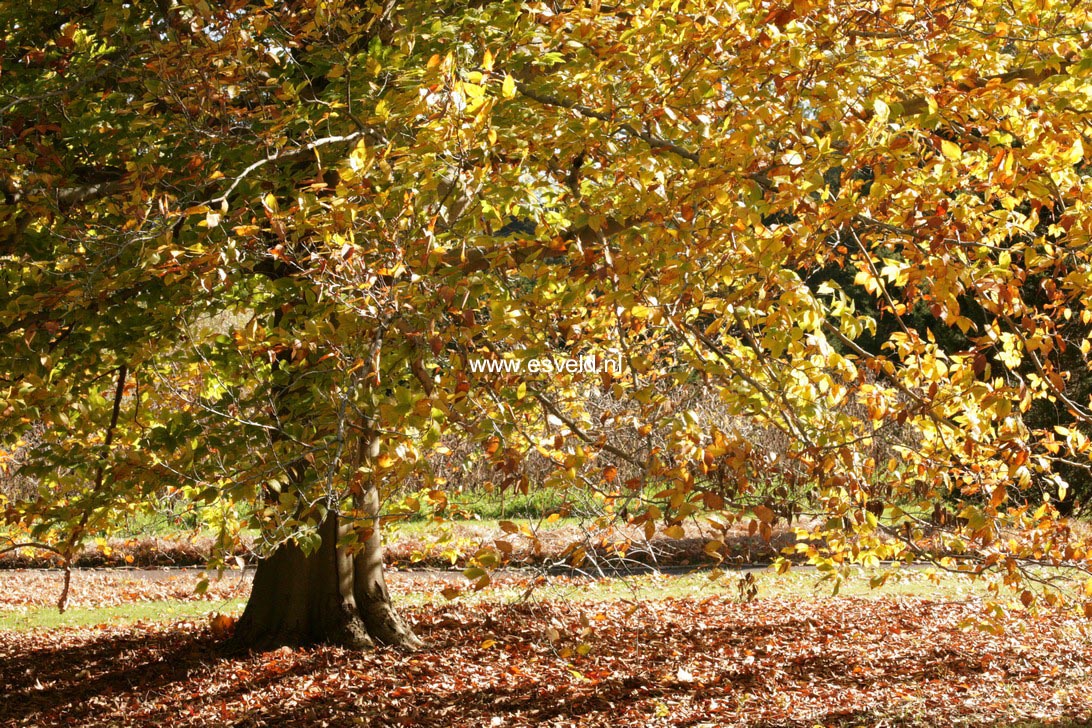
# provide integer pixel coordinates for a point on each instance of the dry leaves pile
(22, 589)
(771, 662)
(110, 587)
(459, 541)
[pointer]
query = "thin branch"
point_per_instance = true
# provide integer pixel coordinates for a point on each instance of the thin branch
(283, 154)
(552, 409)
(652, 140)
(880, 283)
(100, 472)
(31, 545)
(792, 424)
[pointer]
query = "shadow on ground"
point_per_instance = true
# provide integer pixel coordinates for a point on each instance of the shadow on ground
(900, 662)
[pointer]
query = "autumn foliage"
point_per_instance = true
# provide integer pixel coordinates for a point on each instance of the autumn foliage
(249, 250)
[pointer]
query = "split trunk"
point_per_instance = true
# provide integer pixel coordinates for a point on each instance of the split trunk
(330, 596)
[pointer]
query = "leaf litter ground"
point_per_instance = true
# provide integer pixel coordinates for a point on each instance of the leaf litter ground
(681, 661)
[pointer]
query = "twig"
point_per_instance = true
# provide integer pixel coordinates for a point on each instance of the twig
(100, 472)
(283, 154)
(652, 140)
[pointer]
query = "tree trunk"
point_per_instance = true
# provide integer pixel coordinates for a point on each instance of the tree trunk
(370, 588)
(331, 596)
(327, 597)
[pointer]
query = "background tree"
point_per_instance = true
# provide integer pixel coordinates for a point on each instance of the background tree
(250, 251)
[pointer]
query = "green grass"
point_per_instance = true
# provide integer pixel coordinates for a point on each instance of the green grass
(538, 503)
(170, 610)
(171, 518)
(800, 584)
(421, 528)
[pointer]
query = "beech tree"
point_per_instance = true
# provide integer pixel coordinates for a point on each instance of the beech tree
(249, 252)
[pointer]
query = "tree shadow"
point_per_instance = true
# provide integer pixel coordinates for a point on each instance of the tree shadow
(61, 680)
(493, 666)
(69, 684)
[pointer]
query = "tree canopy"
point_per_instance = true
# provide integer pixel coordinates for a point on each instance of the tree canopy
(251, 251)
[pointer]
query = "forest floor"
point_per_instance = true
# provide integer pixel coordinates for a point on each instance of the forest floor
(142, 648)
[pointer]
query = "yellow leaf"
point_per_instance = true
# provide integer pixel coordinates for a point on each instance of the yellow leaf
(487, 60)
(508, 88)
(1075, 155)
(951, 150)
(883, 112)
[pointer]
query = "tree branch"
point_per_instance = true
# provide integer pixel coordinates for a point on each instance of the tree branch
(100, 473)
(283, 154)
(652, 140)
